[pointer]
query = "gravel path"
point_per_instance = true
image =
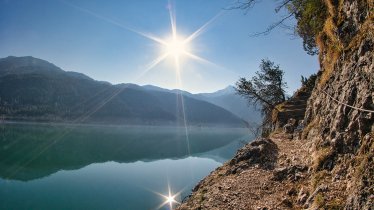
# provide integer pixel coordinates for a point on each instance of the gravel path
(253, 186)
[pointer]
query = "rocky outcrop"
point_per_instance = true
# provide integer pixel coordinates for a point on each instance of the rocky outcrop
(294, 108)
(262, 152)
(264, 174)
(331, 165)
(342, 136)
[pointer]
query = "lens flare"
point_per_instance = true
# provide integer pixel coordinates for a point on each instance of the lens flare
(170, 200)
(176, 47)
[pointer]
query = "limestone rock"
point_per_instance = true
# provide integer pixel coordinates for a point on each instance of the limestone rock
(262, 152)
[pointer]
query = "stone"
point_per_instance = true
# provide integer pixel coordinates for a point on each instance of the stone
(302, 196)
(261, 152)
(292, 192)
(321, 188)
(288, 128)
(292, 173)
(286, 203)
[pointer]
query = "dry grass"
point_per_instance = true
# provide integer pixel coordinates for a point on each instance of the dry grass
(274, 113)
(328, 42)
(309, 127)
(319, 201)
(329, 45)
(318, 178)
(335, 204)
(367, 30)
(331, 48)
(330, 7)
(321, 156)
(364, 157)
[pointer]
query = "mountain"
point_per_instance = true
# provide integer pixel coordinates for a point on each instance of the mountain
(226, 91)
(85, 145)
(229, 100)
(32, 89)
(175, 91)
(225, 98)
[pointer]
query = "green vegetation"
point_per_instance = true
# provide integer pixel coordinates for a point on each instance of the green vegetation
(310, 16)
(309, 83)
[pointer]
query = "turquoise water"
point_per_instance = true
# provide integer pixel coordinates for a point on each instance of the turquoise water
(106, 167)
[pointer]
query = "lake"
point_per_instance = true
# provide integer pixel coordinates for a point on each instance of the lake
(107, 167)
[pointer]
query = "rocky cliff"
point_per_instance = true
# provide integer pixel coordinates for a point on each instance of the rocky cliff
(331, 166)
(338, 117)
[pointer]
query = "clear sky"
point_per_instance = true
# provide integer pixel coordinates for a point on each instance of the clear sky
(103, 40)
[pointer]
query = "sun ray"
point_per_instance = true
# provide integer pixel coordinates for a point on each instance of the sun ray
(202, 28)
(178, 46)
(174, 46)
(172, 20)
(114, 22)
(203, 60)
(40, 150)
(179, 84)
(154, 63)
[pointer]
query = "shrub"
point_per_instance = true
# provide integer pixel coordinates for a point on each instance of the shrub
(310, 16)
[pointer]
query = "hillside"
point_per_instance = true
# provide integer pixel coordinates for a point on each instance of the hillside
(328, 163)
(225, 98)
(229, 100)
(80, 146)
(32, 89)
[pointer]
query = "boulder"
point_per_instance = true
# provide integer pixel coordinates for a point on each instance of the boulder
(262, 152)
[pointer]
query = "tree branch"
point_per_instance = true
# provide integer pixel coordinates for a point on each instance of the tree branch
(273, 26)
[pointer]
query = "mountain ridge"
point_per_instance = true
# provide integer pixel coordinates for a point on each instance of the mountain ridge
(32, 89)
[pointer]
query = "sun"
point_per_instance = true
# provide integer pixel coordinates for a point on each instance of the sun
(176, 47)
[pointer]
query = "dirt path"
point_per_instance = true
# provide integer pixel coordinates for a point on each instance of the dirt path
(247, 184)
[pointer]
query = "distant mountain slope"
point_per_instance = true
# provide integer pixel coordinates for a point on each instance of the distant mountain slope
(229, 100)
(225, 98)
(35, 90)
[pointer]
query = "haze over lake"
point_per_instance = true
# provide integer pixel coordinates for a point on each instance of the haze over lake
(107, 167)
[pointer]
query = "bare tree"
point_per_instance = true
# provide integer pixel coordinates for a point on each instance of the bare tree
(310, 16)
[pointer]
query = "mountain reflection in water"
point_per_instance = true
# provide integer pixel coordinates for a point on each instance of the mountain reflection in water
(30, 151)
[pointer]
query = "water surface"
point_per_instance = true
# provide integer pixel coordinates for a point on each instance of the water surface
(106, 167)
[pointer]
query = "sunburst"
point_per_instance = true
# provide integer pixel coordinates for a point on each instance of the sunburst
(177, 46)
(169, 199)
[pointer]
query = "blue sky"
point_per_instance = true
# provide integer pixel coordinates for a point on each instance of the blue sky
(97, 38)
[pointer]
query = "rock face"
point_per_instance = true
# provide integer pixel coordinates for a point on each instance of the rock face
(294, 108)
(331, 166)
(262, 152)
(342, 136)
